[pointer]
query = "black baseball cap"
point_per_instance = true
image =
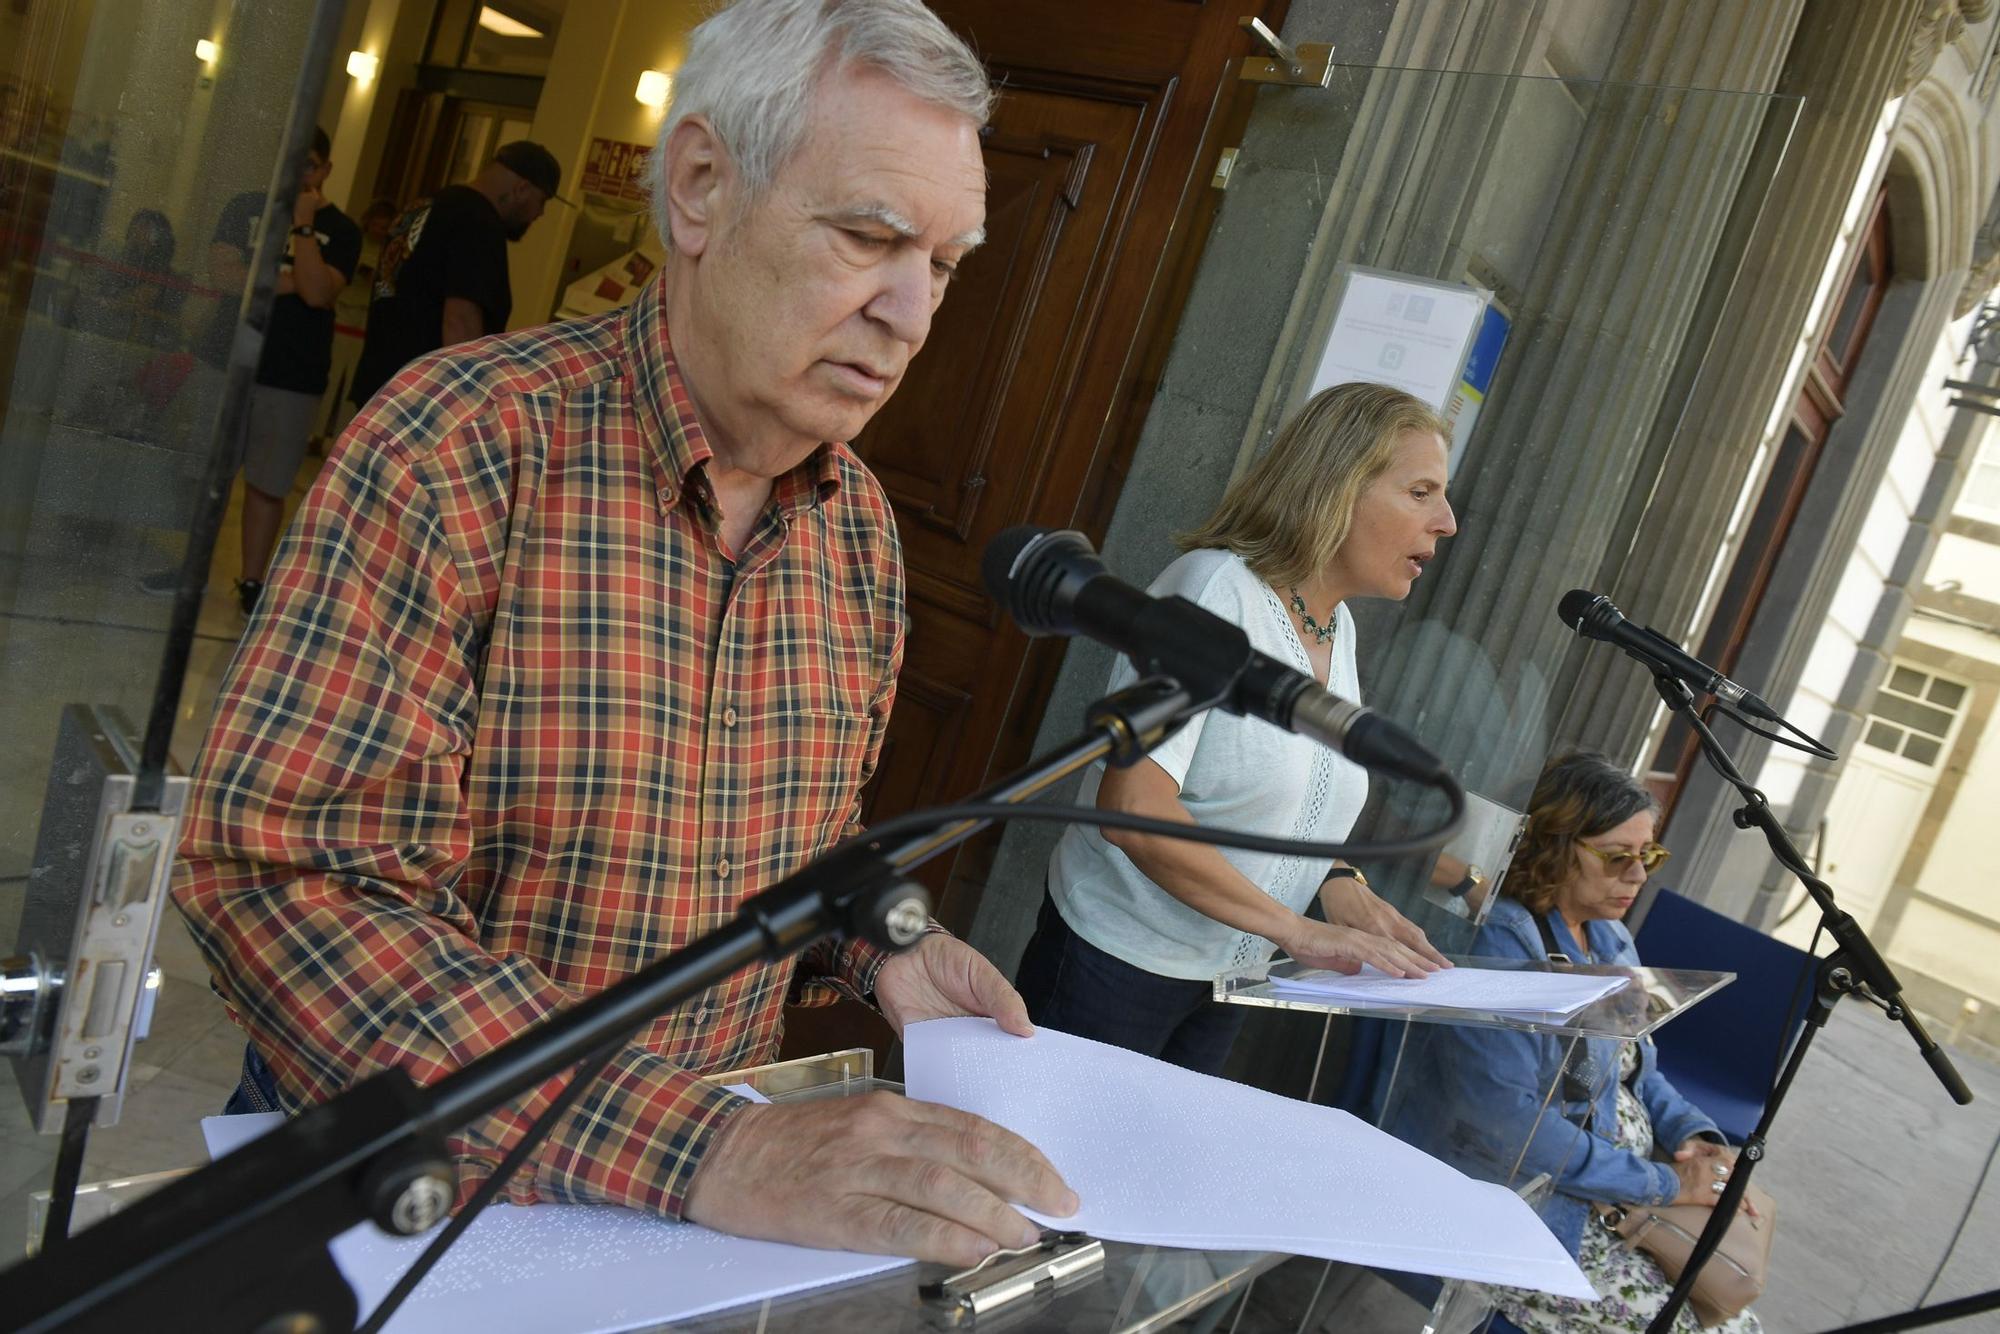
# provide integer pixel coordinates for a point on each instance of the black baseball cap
(534, 164)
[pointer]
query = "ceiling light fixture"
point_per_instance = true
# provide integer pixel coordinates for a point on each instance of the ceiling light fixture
(504, 25)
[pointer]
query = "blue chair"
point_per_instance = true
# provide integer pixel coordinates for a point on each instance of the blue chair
(1723, 1053)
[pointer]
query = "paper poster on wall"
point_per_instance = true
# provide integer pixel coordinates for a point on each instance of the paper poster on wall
(1396, 329)
(616, 170)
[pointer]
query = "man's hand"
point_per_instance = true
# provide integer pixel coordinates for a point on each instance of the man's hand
(879, 1173)
(1351, 903)
(942, 977)
(306, 207)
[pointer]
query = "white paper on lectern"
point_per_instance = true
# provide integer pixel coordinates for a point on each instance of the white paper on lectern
(1492, 990)
(1164, 1156)
(573, 1268)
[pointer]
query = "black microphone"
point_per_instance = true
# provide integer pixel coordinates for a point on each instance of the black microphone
(1052, 583)
(1592, 616)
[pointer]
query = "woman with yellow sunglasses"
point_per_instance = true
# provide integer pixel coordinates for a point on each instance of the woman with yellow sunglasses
(1617, 1131)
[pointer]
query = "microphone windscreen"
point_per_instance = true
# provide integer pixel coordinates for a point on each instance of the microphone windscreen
(1574, 604)
(997, 566)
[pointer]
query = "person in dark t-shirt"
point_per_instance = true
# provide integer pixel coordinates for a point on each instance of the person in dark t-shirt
(443, 274)
(320, 254)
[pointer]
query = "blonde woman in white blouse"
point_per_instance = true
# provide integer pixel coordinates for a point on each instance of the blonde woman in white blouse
(1348, 502)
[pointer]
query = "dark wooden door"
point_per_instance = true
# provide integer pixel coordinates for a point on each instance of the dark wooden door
(1026, 404)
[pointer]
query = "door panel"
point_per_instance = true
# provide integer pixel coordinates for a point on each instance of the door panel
(1027, 402)
(1023, 292)
(996, 380)
(1870, 823)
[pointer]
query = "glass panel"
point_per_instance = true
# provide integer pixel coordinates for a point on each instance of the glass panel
(1862, 283)
(1651, 997)
(1602, 220)
(1982, 489)
(1908, 712)
(132, 181)
(1907, 681)
(1424, 185)
(1922, 750)
(1946, 694)
(1884, 737)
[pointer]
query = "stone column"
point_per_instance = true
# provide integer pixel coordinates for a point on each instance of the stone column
(1600, 322)
(1845, 64)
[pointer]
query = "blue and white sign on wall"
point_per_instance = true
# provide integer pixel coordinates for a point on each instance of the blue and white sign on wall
(1402, 330)
(1476, 379)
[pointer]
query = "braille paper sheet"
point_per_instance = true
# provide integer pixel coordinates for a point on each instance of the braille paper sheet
(1164, 1156)
(1490, 990)
(569, 1268)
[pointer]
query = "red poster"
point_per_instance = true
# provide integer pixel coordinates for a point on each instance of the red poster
(616, 170)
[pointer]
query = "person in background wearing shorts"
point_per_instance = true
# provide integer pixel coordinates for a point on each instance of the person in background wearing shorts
(320, 255)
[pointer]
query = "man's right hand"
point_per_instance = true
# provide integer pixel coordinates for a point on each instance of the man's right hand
(880, 1173)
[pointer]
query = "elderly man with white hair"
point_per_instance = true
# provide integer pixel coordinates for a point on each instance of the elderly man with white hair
(589, 632)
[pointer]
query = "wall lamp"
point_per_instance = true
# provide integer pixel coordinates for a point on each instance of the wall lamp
(655, 87)
(362, 66)
(205, 51)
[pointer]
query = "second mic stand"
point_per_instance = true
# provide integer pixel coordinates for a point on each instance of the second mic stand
(1855, 968)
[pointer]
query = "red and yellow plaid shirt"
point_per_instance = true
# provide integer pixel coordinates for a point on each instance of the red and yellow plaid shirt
(509, 724)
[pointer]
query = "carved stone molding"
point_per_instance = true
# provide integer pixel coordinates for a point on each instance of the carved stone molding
(1939, 24)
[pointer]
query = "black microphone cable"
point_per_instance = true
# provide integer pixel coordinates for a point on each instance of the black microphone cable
(1811, 745)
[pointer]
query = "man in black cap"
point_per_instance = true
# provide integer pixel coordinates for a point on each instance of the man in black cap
(443, 273)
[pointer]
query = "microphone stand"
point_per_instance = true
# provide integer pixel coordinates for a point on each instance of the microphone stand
(241, 1245)
(1855, 968)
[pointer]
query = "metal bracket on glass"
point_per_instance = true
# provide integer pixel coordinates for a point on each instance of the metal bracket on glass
(1058, 1260)
(1307, 65)
(80, 990)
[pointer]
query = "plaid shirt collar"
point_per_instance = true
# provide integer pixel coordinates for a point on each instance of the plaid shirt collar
(667, 417)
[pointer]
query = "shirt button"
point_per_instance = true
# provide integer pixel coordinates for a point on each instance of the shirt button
(729, 716)
(722, 868)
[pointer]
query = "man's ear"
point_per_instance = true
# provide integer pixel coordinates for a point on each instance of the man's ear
(700, 178)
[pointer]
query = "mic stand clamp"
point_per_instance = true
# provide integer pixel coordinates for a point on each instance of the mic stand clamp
(1140, 717)
(1854, 968)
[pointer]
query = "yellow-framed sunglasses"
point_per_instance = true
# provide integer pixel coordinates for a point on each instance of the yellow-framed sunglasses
(1651, 857)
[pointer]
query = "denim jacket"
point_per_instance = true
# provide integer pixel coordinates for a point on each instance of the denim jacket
(1482, 1089)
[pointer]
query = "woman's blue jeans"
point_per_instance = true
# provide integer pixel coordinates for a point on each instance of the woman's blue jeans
(1071, 985)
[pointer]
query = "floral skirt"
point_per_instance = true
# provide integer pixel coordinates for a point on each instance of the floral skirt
(1633, 1288)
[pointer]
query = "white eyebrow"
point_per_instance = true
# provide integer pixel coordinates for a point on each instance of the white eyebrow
(885, 216)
